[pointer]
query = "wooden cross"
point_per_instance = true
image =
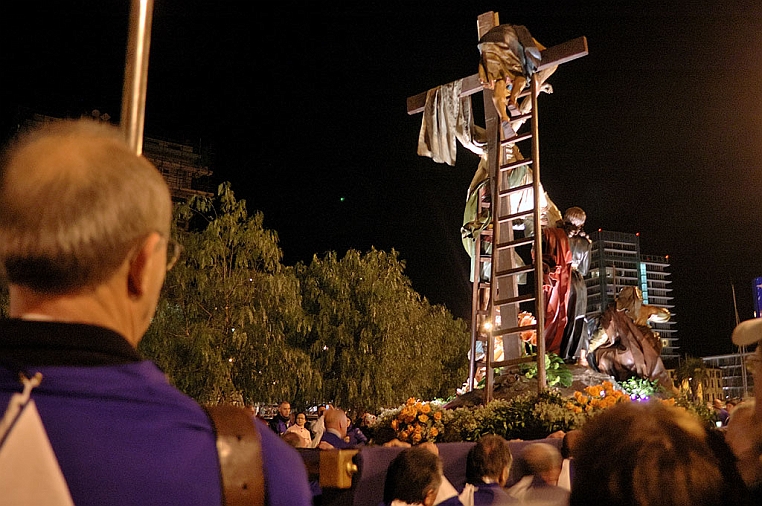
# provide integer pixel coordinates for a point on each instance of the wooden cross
(553, 56)
(556, 55)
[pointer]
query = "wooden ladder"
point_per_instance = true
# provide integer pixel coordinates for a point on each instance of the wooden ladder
(498, 300)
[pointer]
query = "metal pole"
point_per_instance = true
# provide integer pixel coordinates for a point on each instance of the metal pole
(136, 73)
(741, 349)
(540, 296)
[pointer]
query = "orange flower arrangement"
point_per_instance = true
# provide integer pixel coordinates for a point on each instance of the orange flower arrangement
(596, 397)
(416, 422)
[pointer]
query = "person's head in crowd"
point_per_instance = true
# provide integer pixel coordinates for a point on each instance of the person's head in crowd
(744, 430)
(489, 461)
(744, 436)
(301, 419)
(647, 453)
(337, 420)
(543, 461)
(84, 228)
(569, 443)
(284, 409)
(320, 410)
(293, 439)
(749, 333)
(413, 477)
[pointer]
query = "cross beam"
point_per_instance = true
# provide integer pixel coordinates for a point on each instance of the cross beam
(555, 55)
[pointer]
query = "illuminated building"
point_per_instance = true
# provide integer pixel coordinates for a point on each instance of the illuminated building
(737, 380)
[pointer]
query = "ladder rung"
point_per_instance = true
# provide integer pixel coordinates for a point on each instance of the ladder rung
(518, 138)
(519, 116)
(515, 189)
(516, 270)
(513, 330)
(515, 361)
(517, 163)
(511, 217)
(515, 243)
(515, 300)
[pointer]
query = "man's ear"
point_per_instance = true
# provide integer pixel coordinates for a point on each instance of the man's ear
(504, 476)
(431, 496)
(141, 266)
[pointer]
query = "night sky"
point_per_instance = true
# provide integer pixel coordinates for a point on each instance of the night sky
(657, 131)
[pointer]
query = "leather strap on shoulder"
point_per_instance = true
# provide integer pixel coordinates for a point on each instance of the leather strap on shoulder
(240, 455)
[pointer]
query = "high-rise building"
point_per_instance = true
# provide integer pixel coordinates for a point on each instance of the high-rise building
(616, 262)
(737, 380)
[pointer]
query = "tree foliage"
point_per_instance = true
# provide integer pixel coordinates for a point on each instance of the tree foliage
(374, 338)
(228, 323)
(693, 371)
(235, 324)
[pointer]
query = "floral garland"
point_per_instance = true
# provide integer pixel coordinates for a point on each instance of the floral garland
(596, 397)
(524, 417)
(415, 421)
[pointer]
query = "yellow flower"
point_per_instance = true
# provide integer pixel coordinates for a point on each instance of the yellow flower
(425, 408)
(437, 416)
(433, 432)
(395, 424)
(417, 437)
(423, 418)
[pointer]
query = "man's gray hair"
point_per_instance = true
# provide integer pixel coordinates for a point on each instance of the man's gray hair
(75, 201)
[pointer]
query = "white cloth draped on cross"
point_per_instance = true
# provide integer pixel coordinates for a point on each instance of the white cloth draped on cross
(447, 119)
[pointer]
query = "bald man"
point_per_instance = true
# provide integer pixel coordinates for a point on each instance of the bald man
(336, 423)
(85, 246)
(543, 463)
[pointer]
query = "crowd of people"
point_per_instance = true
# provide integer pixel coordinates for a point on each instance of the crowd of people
(631, 454)
(628, 455)
(85, 245)
(331, 428)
